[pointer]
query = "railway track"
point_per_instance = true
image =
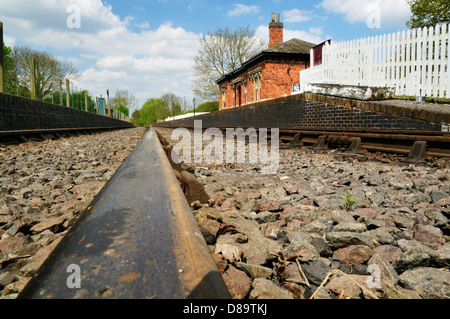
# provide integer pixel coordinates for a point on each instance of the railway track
(415, 145)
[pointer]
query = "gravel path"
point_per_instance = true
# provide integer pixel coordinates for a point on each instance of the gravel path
(44, 187)
(328, 220)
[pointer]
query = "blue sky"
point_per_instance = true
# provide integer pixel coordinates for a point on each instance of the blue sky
(148, 46)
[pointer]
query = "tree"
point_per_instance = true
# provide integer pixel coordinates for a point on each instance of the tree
(158, 109)
(173, 104)
(221, 52)
(427, 13)
(135, 116)
(48, 71)
(152, 111)
(123, 109)
(9, 80)
(124, 98)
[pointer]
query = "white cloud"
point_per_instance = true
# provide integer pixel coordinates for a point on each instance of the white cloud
(240, 9)
(9, 41)
(296, 15)
(115, 62)
(392, 13)
(143, 25)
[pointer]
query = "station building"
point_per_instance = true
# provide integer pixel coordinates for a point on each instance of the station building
(273, 73)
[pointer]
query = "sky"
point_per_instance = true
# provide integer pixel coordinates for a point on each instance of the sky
(148, 46)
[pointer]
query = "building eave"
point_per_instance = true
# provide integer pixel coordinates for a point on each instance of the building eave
(257, 58)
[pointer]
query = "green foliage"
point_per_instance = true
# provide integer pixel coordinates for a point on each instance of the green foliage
(152, 110)
(349, 202)
(427, 13)
(123, 109)
(9, 73)
(135, 116)
(158, 109)
(76, 100)
(7, 57)
(208, 107)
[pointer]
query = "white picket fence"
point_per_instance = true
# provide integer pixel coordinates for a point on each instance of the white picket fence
(414, 63)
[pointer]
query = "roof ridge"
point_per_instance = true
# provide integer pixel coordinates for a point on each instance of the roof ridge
(293, 45)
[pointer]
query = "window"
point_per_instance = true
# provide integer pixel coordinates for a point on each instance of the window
(223, 90)
(255, 77)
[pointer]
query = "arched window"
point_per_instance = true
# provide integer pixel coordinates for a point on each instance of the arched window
(255, 77)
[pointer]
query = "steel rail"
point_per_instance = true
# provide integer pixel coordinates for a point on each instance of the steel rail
(138, 239)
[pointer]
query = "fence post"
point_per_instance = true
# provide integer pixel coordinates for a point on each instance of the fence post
(67, 93)
(443, 48)
(448, 62)
(107, 106)
(2, 64)
(85, 101)
(60, 92)
(33, 78)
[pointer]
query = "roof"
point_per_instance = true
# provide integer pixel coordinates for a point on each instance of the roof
(293, 48)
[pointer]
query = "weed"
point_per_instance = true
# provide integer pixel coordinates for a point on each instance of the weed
(349, 202)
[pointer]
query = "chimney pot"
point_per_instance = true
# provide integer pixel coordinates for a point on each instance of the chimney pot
(278, 17)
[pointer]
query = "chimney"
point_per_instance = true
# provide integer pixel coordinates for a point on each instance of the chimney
(275, 31)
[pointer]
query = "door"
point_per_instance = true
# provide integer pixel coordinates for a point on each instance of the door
(239, 95)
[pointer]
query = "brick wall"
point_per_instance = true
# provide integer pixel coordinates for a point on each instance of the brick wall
(296, 112)
(18, 113)
(278, 77)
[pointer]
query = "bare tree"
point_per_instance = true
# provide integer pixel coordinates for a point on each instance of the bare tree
(221, 52)
(172, 103)
(125, 98)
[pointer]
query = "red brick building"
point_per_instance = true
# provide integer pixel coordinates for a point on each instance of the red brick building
(270, 74)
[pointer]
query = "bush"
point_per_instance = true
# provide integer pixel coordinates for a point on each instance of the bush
(208, 107)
